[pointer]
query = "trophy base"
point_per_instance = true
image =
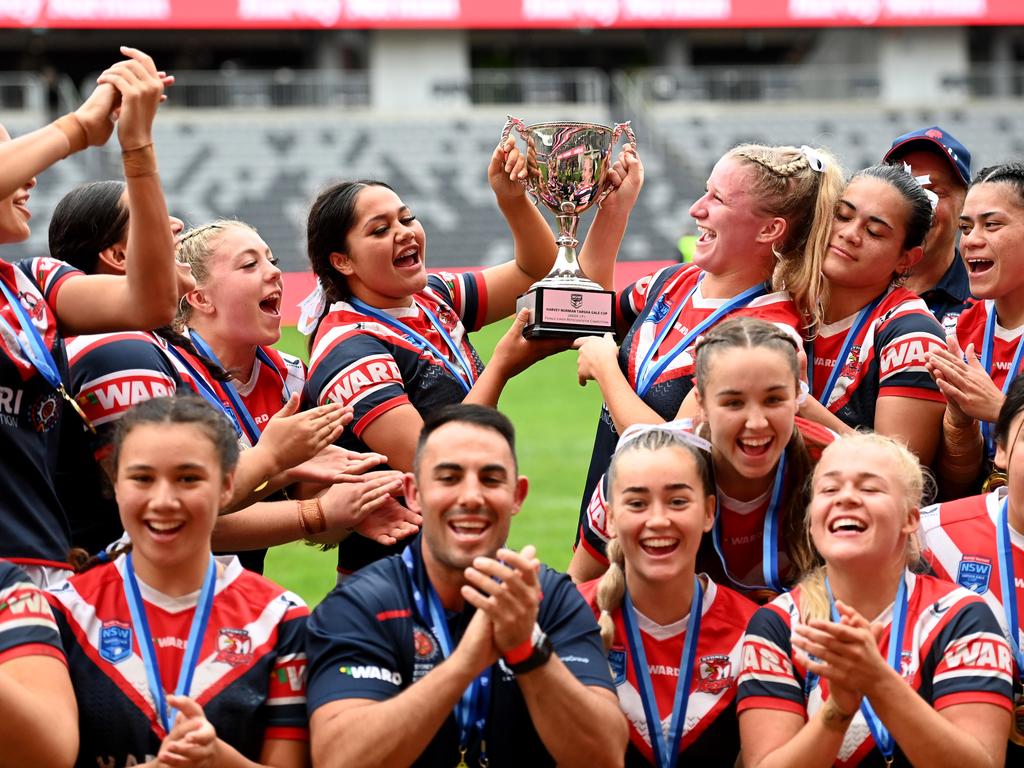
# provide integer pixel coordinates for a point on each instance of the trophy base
(561, 312)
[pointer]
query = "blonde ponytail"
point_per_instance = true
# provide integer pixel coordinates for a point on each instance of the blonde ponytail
(610, 592)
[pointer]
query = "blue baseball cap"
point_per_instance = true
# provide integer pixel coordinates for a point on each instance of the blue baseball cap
(935, 136)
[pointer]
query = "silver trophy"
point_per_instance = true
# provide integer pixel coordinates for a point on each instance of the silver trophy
(566, 167)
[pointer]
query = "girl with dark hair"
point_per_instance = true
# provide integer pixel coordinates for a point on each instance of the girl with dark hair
(763, 226)
(984, 358)
(865, 662)
(177, 657)
(112, 372)
(44, 299)
(748, 388)
(866, 366)
(978, 542)
(391, 341)
(672, 635)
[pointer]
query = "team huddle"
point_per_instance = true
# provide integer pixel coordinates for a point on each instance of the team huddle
(801, 540)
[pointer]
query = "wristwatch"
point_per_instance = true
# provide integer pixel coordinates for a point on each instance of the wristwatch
(538, 657)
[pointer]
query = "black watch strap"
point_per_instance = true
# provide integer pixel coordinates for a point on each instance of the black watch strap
(542, 650)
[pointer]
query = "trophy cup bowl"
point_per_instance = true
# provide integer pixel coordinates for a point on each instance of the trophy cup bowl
(567, 164)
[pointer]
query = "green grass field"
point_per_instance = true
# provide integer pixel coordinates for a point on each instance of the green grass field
(555, 422)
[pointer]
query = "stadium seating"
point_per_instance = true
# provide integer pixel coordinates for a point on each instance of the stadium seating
(265, 166)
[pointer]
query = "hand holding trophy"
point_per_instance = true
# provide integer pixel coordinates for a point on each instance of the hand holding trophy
(566, 168)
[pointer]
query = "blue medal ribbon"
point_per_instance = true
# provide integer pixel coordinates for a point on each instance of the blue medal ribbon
(205, 389)
(666, 749)
(460, 368)
(770, 545)
(648, 371)
(987, 346)
(34, 348)
(244, 418)
(1008, 585)
(858, 325)
(193, 646)
(884, 740)
(471, 711)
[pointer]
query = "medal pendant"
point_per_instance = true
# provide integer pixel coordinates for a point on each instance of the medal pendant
(995, 479)
(462, 759)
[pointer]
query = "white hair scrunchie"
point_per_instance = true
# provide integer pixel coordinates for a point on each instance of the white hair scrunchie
(682, 427)
(815, 159)
(311, 308)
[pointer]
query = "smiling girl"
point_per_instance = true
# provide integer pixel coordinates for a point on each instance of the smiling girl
(989, 332)
(864, 662)
(672, 636)
(764, 224)
(391, 341)
(747, 380)
(866, 366)
(169, 617)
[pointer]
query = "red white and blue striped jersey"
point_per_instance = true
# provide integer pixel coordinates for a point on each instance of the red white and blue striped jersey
(711, 732)
(360, 361)
(954, 653)
(970, 329)
(27, 627)
(250, 679)
(33, 526)
(887, 358)
(647, 306)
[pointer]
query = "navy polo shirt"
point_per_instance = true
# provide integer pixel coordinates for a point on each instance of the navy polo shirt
(949, 297)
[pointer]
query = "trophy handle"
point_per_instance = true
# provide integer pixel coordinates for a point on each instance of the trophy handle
(623, 128)
(510, 123)
(617, 131)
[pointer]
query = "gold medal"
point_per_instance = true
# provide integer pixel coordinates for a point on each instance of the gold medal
(1017, 727)
(996, 479)
(462, 759)
(78, 409)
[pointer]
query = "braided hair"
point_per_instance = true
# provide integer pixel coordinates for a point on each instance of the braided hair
(786, 185)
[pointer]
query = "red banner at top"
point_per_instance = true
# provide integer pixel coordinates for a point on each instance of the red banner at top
(502, 14)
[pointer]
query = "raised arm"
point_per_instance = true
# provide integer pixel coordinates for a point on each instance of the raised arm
(601, 248)
(146, 297)
(532, 236)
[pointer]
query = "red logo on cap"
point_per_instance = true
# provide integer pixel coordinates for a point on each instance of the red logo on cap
(933, 134)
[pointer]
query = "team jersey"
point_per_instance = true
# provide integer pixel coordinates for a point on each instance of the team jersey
(111, 372)
(887, 358)
(711, 733)
(970, 329)
(647, 306)
(33, 526)
(960, 543)
(954, 653)
(249, 680)
(273, 380)
(360, 361)
(27, 627)
(367, 641)
(741, 525)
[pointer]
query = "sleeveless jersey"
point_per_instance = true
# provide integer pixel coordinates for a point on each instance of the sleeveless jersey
(887, 359)
(711, 732)
(250, 679)
(954, 653)
(360, 361)
(647, 306)
(33, 526)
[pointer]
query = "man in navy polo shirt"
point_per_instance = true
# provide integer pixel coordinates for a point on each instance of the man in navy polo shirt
(459, 651)
(940, 278)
